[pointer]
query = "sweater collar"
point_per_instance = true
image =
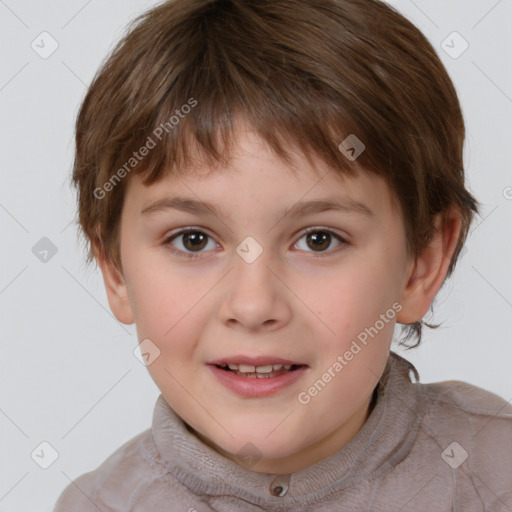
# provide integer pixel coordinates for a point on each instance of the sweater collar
(384, 440)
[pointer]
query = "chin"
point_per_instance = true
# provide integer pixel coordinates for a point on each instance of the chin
(259, 447)
(264, 437)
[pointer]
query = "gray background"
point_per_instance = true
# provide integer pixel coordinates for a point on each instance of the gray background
(68, 373)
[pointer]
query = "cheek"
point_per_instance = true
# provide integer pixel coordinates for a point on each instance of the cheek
(170, 311)
(353, 300)
(158, 307)
(160, 294)
(348, 294)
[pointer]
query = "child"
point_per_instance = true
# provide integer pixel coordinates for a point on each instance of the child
(268, 187)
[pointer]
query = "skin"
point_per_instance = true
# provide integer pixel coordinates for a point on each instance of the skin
(287, 303)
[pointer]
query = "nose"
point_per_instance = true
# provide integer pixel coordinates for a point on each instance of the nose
(254, 298)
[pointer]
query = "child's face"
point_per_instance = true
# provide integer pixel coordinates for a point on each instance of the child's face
(287, 304)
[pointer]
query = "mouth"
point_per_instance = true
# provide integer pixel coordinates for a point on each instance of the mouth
(257, 376)
(259, 371)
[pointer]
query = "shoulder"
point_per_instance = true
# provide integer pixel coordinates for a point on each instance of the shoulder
(470, 421)
(469, 400)
(111, 485)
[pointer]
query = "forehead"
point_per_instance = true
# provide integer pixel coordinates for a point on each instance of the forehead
(256, 177)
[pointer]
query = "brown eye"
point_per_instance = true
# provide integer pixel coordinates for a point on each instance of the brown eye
(194, 240)
(319, 240)
(189, 243)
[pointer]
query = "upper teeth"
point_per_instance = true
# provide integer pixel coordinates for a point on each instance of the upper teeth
(247, 368)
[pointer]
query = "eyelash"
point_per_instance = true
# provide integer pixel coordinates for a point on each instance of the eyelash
(189, 255)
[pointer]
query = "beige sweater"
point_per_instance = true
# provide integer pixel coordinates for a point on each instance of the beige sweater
(442, 447)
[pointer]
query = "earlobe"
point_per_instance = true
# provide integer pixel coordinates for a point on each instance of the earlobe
(117, 291)
(427, 274)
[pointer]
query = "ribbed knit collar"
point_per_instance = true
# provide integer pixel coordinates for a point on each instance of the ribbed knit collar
(384, 440)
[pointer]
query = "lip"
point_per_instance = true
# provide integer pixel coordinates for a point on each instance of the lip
(254, 361)
(254, 387)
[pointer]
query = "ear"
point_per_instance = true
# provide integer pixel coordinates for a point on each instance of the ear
(115, 286)
(428, 272)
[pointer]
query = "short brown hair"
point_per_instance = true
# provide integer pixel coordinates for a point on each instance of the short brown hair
(309, 72)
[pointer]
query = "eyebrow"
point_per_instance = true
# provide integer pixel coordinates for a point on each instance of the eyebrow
(301, 208)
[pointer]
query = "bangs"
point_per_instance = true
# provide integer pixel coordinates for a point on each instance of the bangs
(192, 133)
(196, 145)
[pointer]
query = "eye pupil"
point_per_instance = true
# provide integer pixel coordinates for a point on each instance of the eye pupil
(196, 238)
(319, 236)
